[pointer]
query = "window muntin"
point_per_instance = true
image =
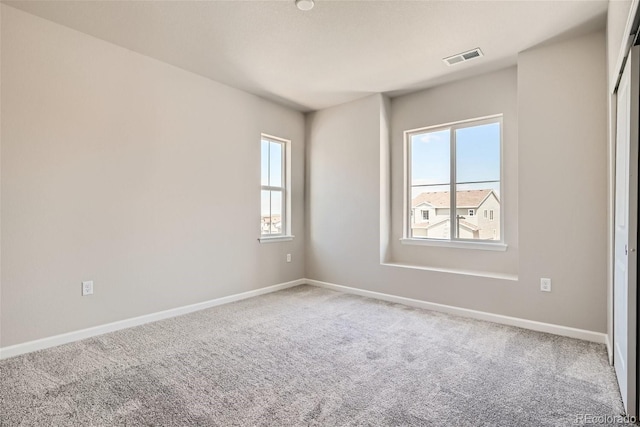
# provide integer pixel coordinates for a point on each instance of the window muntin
(273, 187)
(455, 165)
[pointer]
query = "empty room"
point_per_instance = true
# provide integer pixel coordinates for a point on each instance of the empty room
(319, 213)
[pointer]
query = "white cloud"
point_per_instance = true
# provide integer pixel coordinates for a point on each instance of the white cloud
(430, 137)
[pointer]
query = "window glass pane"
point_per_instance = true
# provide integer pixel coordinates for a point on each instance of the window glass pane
(264, 163)
(275, 164)
(265, 212)
(276, 212)
(430, 176)
(430, 158)
(478, 182)
(478, 153)
(271, 212)
(430, 214)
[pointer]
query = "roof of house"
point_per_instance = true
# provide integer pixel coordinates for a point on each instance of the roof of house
(464, 198)
(267, 219)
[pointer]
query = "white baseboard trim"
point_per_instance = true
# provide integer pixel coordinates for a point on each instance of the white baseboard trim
(609, 348)
(28, 347)
(565, 331)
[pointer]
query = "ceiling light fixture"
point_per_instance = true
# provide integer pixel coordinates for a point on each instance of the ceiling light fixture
(305, 4)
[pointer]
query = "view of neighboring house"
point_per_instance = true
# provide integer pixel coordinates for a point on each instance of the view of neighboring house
(477, 213)
(271, 224)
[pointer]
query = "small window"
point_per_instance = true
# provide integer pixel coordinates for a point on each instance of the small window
(274, 207)
(456, 169)
(425, 215)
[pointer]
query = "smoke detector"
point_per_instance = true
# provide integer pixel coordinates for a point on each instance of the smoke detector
(463, 57)
(305, 4)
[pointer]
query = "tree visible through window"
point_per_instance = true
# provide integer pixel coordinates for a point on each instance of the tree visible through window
(454, 171)
(273, 197)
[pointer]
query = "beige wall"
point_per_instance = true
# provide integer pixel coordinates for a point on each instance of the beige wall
(130, 172)
(563, 150)
(343, 192)
(560, 145)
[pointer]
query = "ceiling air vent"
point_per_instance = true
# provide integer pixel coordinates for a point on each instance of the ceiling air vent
(463, 57)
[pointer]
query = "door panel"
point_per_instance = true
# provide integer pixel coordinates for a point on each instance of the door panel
(625, 233)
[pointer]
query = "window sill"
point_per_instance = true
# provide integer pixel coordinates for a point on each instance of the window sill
(501, 247)
(487, 274)
(275, 239)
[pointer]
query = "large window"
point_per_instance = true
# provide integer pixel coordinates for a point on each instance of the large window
(273, 210)
(454, 171)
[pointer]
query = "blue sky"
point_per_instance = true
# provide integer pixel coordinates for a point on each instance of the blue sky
(477, 152)
(271, 175)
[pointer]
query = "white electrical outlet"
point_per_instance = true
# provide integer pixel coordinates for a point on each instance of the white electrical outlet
(288, 257)
(87, 288)
(545, 285)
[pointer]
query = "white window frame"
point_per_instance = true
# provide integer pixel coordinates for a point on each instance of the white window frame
(427, 215)
(453, 241)
(285, 217)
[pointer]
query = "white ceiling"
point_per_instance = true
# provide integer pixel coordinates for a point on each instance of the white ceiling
(337, 52)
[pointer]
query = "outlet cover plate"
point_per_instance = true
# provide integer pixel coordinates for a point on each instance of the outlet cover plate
(87, 288)
(545, 285)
